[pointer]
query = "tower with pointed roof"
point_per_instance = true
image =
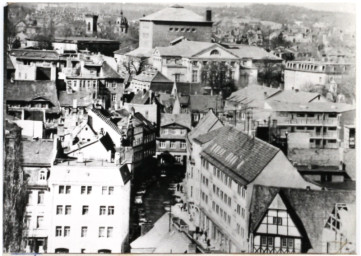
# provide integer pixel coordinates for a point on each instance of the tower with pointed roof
(122, 23)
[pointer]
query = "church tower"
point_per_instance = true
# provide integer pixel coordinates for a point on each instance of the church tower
(91, 24)
(122, 23)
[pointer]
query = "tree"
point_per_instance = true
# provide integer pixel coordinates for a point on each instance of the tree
(280, 41)
(218, 76)
(16, 44)
(44, 41)
(348, 86)
(14, 192)
(270, 74)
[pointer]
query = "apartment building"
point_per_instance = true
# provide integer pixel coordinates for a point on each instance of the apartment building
(171, 142)
(89, 207)
(299, 74)
(230, 164)
(38, 159)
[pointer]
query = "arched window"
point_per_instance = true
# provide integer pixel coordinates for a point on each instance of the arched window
(215, 52)
(88, 26)
(42, 175)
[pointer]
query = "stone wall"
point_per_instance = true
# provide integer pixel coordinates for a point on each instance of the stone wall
(322, 157)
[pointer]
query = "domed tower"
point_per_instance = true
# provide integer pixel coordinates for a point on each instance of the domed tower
(122, 23)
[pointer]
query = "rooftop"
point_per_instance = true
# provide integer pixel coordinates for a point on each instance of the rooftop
(35, 54)
(203, 103)
(184, 48)
(76, 39)
(83, 99)
(183, 119)
(252, 52)
(38, 152)
(297, 96)
(312, 207)
(175, 13)
(310, 107)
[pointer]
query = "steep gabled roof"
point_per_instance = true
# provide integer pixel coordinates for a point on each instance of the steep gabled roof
(174, 13)
(38, 153)
(106, 120)
(206, 124)
(311, 207)
(239, 155)
(109, 72)
(183, 119)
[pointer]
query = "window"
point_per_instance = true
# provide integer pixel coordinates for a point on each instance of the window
(193, 30)
(82, 189)
(30, 198)
(84, 231)
(66, 231)
(59, 209)
(101, 231)
(110, 232)
(104, 190)
(114, 97)
(58, 231)
(40, 197)
(67, 210)
(284, 242)
(27, 221)
(243, 213)
(238, 228)
(85, 210)
(110, 210)
(39, 222)
(61, 189)
(183, 145)
(42, 175)
(229, 201)
(277, 221)
(177, 77)
(67, 189)
(172, 144)
(162, 144)
(214, 52)
(111, 190)
(114, 85)
(290, 242)
(238, 209)
(89, 189)
(270, 241)
(264, 240)
(195, 76)
(102, 210)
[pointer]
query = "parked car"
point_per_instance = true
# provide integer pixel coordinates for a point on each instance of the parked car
(138, 199)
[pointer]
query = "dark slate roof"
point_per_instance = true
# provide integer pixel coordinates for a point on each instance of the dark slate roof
(311, 207)
(145, 122)
(106, 120)
(165, 87)
(202, 103)
(107, 142)
(204, 125)
(84, 98)
(241, 156)
(37, 153)
(141, 97)
(31, 90)
(207, 137)
(109, 72)
(35, 54)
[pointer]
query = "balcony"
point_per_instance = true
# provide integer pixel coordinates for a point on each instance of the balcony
(306, 121)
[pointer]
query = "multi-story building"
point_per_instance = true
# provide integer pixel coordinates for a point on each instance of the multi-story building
(35, 64)
(151, 79)
(162, 27)
(230, 163)
(300, 74)
(289, 220)
(172, 137)
(38, 159)
(89, 206)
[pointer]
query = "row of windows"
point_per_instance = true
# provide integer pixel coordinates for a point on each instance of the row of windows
(40, 197)
(171, 29)
(65, 231)
(204, 197)
(204, 180)
(82, 83)
(240, 230)
(162, 144)
(86, 190)
(270, 241)
(29, 105)
(240, 211)
(39, 221)
(174, 131)
(222, 195)
(224, 216)
(85, 210)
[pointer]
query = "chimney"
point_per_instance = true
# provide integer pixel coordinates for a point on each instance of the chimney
(208, 15)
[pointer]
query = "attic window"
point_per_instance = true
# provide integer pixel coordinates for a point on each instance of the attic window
(193, 30)
(215, 52)
(170, 29)
(176, 29)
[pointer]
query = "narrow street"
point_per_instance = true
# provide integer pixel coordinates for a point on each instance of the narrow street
(156, 193)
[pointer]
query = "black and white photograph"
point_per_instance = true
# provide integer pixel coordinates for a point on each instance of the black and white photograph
(180, 127)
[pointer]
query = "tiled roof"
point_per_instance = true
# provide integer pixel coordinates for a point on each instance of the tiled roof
(184, 48)
(31, 90)
(152, 75)
(83, 99)
(141, 97)
(296, 96)
(38, 153)
(253, 52)
(35, 54)
(241, 156)
(106, 120)
(207, 123)
(203, 103)
(183, 119)
(108, 71)
(311, 207)
(310, 107)
(140, 52)
(253, 95)
(174, 13)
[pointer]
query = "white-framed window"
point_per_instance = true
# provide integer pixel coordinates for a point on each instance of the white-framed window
(110, 232)
(183, 145)
(114, 84)
(67, 209)
(40, 197)
(85, 210)
(39, 222)
(104, 190)
(66, 231)
(42, 175)
(61, 189)
(162, 144)
(89, 190)
(84, 231)
(59, 209)
(67, 189)
(58, 231)
(172, 144)
(102, 210)
(101, 231)
(194, 76)
(114, 97)
(110, 210)
(111, 191)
